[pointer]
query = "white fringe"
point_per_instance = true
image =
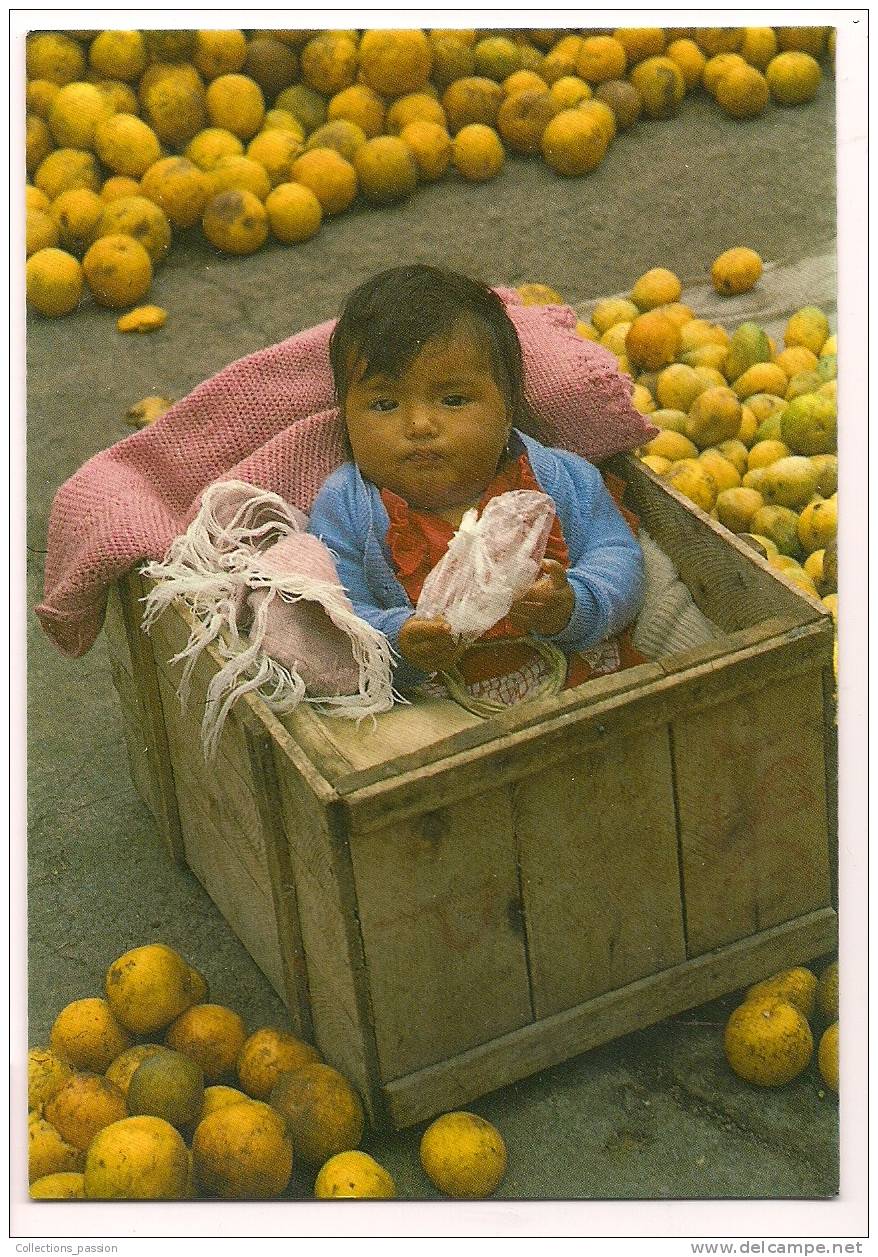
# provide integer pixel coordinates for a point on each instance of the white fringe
(213, 566)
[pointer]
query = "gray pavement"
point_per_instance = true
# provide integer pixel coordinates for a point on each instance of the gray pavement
(656, 1115)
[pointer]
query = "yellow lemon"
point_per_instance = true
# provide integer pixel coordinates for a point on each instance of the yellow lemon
(736, 270)
(656, 287)
(179, 188)
(395, 62)
(235, 103)
(140, 218)
(235, 221)
(294, 212)
(768, 1042)
(353, 1176)
(53, 282)
(68, 1185)
(362, 106)
(794, 986)
(793, 78)
(736, 507)
(431, 148)
(331, 178)
(137, 1158)
(463, 1156)
(207, 147)
(660, 83)
(386, 169)
(573, 143)
(690, 477)
(477, 152)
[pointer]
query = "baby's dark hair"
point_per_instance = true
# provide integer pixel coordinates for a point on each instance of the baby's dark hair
(387, 320)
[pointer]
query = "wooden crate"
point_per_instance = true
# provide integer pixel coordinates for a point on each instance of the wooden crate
(447, 904)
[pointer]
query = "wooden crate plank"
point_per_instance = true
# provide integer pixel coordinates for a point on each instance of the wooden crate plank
(751, 797)
(439, 906)
(226, 798)
(136, 744)
(454, 1083)
(729, 581)
(246, 906)
(597, 837)
(334, 964)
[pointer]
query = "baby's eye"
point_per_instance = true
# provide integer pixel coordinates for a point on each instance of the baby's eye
(382, 404)
(454, 399)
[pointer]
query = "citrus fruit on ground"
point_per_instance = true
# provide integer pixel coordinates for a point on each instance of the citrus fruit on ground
(394, 62)
(149, 986)
(218, 1096)
(75, 112)
(749, 344)
(818, 524)
(477, 152)
(118, 55)
(736, 507)
(522, 118)
(809, 326)
(463, 1155)
(53, 282)
(242, 1152)
(46, 1072)
(724, 472)
(810, 39)
(211, 1035)
(119, 185)
(640, 42)
(827, 1056)
(614, 338)
(386, 169)
(236, 104)
(796, 986)
(240, 173)
(206, 148)
(169, 45)
(736, 270)
(121, 1070)
(758, 46)
(38, 142)
(691, 478)
(39, 96)
(690, 59)
(659, 82)
(415, 107)
(698, 332)
(790, 481)
(54, 56)
(471, 99)
(34, 199)
(330, 177)
(322, 1110)
(219, 52)
(328, 62)
(763, 405)
(167, 1085)
(307, 106)
(269, 63)
(118, 271)
(655, 287)
(793, 78)
(179, 188)
(294, 213)
(121, 97)
(652, 341)
(68, 1185)
(41, 231)
(496, 57)
(573, 143)
(827, 992)
(87, 1033)
(82, 1106)
(601, 57)
(137, 1158)
(345, 137)
(67, 168)
(736, 452)
(361, 105)
(717, 39)
(140, 218)
(781, 525)
(47, 1151)
(718, 66)
(624, 100)
(78, 213)
(714, 416)
(567, 92)
(283, 120)
(768, 1042)
(808, 424)
(126, 145)
(742, 92)
(266, 1054)
(430, 146)
(452, 59)
(611, 310)
(172, 98)
(353, 1176)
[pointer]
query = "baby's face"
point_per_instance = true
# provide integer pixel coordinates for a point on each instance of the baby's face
(435, 433)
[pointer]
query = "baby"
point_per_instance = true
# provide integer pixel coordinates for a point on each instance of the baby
(428, 378)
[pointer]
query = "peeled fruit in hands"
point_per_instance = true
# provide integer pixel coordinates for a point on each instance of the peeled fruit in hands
(795, 986)
(463, 1155)
(353, 1176)
(88, 1034)
(322, 1110)
(148, 987)
(768, 1042)
(137, 1158)
(827, 1056)
(243, 1152)
(267, 1054)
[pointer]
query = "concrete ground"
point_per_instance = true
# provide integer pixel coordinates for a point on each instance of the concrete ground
(656, 1115)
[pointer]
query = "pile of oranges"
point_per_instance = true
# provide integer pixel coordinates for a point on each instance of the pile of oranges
(135, 136)
(149, 1092)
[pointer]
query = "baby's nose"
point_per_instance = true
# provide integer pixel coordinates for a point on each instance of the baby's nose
(421, 421)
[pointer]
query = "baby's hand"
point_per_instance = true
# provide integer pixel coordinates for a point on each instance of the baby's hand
(547, 606)
(429, 644)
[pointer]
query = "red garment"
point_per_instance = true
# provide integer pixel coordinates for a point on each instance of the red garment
(417, 541)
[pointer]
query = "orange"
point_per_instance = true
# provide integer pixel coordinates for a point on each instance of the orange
(126, 145)
(386, 169)
(173, 102)
(275, 151)
(810, 39)
(793, 78)
(41, 230)
(361, 105)
(118, 55)
(241, 173)
(119, 185)
(78, 214)
(307, 106)
(235, 221)
(39, 96)
(121, 1070)
(67, 168)
(140, 218)
(353, 1176)
(242, 1152)
(496, 57)
(431, 147)
(53, 56)
(67, 1185)
(137, 1158)
(332, 179)
(572, 143)
(206, 148)
(661, 86)
(46, 1073)
(395, 62)
(716, 39)
(640, 42)
(471, 99)
(82, 1106)
(53, 282)
(219, 52)
(266, 1054)
(149, 986)
(180, 189)
(294, 213)
(522, 118)
(74, 114)
(211, 1035)
(47, 1152)
(531, 81)
(477, 152)
(168, 1085)
(344, 136)
(270, 64)
(236, 104)
(463, 1155)
(652, 340)
(742, 92)
(717, 66)
(759, 45)
(690, 59)
(656, 287)
(323, 1112)
(601, 57)
(768, 1042)
(827, 1056)
(415, 107)
(38, 142)
(794, 986)
(690, 477)
(86, 1033)
(118, 271)
(714, 416)
(736, 270)
(329, 62)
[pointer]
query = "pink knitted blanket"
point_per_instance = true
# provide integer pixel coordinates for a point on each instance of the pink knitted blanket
(268, 419)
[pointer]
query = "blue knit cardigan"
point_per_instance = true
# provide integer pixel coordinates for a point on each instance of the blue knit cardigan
(606, 562)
